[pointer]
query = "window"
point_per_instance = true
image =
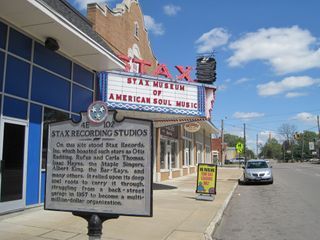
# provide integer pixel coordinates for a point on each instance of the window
(3, 35)
(17, 77)
(81, 99)
(15, 108)
(57, 63)
(83, 76)
(187, 160)
(174, 154)
(162, 154)
(136, 30)
(199, 153)
(50, 115)
(20, 44)
(50, 89)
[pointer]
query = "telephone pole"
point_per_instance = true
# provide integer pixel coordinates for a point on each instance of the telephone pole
(257, 144)
(244, 137)
(222, 141)
(318, 126)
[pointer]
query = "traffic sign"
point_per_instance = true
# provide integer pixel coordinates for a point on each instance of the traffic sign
(239, 147)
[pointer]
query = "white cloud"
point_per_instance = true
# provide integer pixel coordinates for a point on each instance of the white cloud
(306, 118)
(152, 26)
(285, 49)
(247, 115)
(171, 9)
(285, 85)
(214, 38)
(295, 94)
(83, 3)
(222, 87)
(242, 80)
(264, 136)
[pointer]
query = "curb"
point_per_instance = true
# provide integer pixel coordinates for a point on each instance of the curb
(210, 229)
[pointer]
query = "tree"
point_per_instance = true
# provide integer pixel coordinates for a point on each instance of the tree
(271, 149)
(301, 150)
(287, 131)
(232, 140)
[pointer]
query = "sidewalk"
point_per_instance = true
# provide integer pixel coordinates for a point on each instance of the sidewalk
(177, 216)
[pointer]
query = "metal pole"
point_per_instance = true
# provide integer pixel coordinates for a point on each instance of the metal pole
(244, 136)
(95, 221)
(222, 141)
(302, 148)
(318, 137)
(257, 143)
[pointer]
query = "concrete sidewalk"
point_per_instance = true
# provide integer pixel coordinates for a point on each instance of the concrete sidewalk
(177, 215)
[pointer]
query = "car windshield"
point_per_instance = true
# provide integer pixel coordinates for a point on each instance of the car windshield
(259, 164)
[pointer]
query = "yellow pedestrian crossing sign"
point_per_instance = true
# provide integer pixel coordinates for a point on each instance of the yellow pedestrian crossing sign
(239, 147)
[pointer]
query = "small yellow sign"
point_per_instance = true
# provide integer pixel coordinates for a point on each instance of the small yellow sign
(239, 147)
(206, 178)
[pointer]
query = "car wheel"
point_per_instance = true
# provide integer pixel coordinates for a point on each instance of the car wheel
(271, 182)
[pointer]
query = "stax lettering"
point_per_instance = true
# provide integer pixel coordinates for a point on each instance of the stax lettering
(161, 69)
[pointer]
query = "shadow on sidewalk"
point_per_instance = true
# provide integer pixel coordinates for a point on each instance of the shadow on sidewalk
(159, 186)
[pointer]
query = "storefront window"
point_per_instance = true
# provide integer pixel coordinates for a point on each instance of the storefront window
(187, 153)
(208, 159)
(174, 153)
(162, 154)
(50, 115)
(199, 153)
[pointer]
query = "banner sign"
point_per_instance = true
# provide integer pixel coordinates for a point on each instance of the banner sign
(100, 167)
(130, 91)
(206, 178)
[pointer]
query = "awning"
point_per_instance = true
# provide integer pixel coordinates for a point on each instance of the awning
(41, 20)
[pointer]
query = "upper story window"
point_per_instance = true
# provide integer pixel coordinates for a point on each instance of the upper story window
(136, 30)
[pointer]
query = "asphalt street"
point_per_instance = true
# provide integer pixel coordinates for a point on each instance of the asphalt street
(287, 210)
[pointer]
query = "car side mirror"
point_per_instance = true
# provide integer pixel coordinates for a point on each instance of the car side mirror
(243, 167)
(270, 166)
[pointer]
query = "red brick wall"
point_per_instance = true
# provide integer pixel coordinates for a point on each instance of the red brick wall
(118, 30)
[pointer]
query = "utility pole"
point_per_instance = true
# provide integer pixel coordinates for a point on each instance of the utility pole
(222, 141)
(318, 137)
(302, 148)
(257, 144)
(244, 137)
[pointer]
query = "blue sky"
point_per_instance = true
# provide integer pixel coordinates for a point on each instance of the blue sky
(267, 52)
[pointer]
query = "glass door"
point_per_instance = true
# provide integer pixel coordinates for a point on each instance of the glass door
(12, 165)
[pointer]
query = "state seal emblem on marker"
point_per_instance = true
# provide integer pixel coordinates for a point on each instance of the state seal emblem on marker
(97, 112)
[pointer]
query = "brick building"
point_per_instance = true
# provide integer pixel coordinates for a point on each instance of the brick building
(123, 29)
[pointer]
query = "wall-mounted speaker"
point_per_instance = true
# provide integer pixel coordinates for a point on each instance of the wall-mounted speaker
(51, 44)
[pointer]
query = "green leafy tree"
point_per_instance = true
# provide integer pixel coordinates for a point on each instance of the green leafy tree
(301, 148)
(232, 140)
(271, 149)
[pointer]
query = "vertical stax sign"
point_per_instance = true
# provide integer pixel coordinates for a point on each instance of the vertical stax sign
(100, 165)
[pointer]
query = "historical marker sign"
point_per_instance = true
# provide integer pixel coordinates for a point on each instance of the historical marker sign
(100, 168)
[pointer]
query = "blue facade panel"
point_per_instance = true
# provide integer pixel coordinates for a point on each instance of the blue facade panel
(33, 167)
(83, 76)
(20, 44)
(81, 99)
(17, 77)
(15, 108)
(50, 89)
(3, 35)
(1, 69)
(52, 61)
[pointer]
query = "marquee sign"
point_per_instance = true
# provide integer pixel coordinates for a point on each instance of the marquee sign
(129, 91)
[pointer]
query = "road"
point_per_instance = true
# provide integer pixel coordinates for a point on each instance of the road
(287, 210)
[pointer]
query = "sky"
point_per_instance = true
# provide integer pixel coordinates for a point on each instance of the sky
(267, 53)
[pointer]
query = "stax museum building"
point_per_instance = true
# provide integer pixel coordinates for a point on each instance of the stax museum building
(54, 63)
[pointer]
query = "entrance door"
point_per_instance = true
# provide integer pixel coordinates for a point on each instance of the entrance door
(12, 165)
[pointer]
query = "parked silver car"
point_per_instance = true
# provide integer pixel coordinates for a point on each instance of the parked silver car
(257, 170)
